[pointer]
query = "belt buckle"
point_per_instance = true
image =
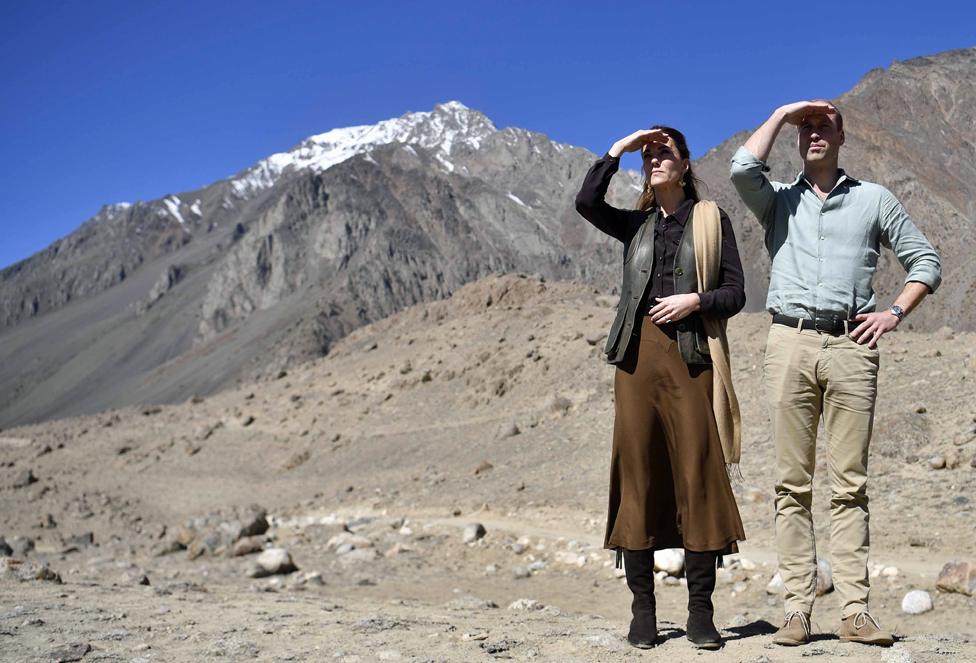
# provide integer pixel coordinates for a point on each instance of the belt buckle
(829, 330)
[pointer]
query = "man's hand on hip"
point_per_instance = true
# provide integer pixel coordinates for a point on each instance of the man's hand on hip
(873, 326)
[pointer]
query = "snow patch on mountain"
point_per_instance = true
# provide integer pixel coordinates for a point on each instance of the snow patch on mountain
(114, 209)
(441, 130)
(173, 207)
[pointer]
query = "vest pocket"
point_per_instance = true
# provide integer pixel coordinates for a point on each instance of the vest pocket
(701, 342)
(694, 344)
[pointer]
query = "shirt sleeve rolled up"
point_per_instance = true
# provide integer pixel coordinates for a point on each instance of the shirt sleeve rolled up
(913, 250)
(748, 175)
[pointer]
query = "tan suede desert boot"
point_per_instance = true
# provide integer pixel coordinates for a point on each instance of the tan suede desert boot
(862, 627)
(796, 630)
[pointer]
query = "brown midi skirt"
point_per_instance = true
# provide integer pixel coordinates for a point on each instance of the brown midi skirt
(668, 483)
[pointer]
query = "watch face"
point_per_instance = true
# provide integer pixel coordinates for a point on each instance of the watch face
(897, 310)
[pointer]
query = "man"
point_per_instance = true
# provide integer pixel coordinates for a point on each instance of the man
(823, 233)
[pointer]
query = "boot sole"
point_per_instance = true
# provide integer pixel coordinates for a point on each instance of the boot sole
(882, 642)
(643, 645)
(790, 643)
(708, 646)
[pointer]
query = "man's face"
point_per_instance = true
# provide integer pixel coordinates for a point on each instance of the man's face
(818, 138)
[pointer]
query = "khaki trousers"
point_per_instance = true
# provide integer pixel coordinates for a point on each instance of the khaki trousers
(809, 375)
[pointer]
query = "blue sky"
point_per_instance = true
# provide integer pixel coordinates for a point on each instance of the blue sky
(123, 101)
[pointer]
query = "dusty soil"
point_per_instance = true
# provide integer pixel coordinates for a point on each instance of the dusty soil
(493, 407)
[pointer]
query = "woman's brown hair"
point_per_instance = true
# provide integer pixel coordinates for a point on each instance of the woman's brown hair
(646, 200)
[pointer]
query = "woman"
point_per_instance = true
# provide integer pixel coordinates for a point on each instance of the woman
(676, 427)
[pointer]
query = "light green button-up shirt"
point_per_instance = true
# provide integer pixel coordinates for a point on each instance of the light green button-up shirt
(825, 252)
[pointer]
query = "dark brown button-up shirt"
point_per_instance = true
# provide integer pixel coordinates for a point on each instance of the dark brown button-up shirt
(723, 302)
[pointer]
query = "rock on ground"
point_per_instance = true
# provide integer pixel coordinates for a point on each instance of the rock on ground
(273, 561)
(957, 577)
(670, 560)
(916, 602)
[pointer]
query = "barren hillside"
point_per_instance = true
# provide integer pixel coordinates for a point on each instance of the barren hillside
(491, 407)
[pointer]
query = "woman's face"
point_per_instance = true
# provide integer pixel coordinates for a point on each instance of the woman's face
(663, 164)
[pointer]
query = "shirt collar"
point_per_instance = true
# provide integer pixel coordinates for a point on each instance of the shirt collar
(844, 177)
(681, 214)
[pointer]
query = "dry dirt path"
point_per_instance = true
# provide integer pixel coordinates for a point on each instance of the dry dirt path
(441, 604)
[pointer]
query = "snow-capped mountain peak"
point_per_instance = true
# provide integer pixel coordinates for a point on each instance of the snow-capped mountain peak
(447, 126)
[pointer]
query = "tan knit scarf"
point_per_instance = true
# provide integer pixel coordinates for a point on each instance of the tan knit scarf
(707, 232)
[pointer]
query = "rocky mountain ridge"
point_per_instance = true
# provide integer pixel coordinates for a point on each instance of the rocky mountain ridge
(260, 283)
(151, 302)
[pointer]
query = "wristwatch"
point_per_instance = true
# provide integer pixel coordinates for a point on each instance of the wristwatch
(897, 311)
